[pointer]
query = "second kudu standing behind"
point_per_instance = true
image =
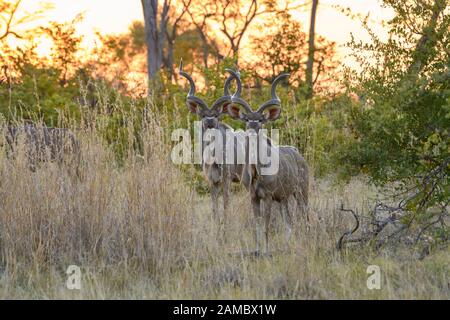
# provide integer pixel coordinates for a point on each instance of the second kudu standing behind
(292, 176)
(45, 144)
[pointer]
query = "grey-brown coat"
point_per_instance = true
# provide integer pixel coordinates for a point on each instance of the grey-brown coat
(292, 177)
(45, 144)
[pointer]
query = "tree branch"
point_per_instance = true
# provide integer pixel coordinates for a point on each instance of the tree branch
(9, 21)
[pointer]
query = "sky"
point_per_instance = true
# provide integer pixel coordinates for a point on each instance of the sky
(115, 16)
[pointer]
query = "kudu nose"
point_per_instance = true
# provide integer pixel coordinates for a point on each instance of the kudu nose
(253, 125)
(210, 123)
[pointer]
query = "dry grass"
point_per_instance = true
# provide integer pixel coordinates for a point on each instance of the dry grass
(138, 231)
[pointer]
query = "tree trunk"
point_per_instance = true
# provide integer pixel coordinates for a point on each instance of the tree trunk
(169, 63)
(205, 54)
(152, 38)
(235, 50)
(427, 40)
(311, 51)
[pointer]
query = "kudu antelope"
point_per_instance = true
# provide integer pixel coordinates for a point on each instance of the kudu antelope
(45, 144)
(292, 176)
(219, 174)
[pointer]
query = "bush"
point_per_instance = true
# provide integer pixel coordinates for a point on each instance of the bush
(401, 126)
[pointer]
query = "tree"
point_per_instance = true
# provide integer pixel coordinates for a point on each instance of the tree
(121, 59)
(223, 24)
(154, 35)
(161, 30)
(171, 35)
(11, 18)
(235, 20)
(65, 46)
(33, 87)
(311, 50)
(8, 11)
(283, 47)
(401, 128)
(200, 14)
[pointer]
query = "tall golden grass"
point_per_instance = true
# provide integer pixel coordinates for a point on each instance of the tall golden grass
(130, 215)
(139, 230)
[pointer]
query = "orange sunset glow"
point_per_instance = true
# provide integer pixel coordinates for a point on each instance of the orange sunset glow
(115, 16)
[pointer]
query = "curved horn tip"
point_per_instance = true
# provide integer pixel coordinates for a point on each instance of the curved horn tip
(232, 71)
(181, 65)
(275, 84)
(283, 75)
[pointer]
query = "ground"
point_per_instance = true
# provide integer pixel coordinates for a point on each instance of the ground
(131, 240)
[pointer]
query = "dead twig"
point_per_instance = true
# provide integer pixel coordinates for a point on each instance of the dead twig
(349, 232)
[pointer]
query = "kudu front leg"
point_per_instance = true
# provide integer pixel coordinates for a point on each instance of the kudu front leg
(215, 189)
(226, 194)
(287, 220)
(302, 205)
(267, 214)
(256, 205)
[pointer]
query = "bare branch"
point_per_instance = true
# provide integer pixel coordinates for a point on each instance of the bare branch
(348, 232)
(9, 21)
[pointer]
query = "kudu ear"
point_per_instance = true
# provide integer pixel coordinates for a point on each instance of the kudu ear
(272, 113)
(193, 107)
(234, 111)
(225, 107)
